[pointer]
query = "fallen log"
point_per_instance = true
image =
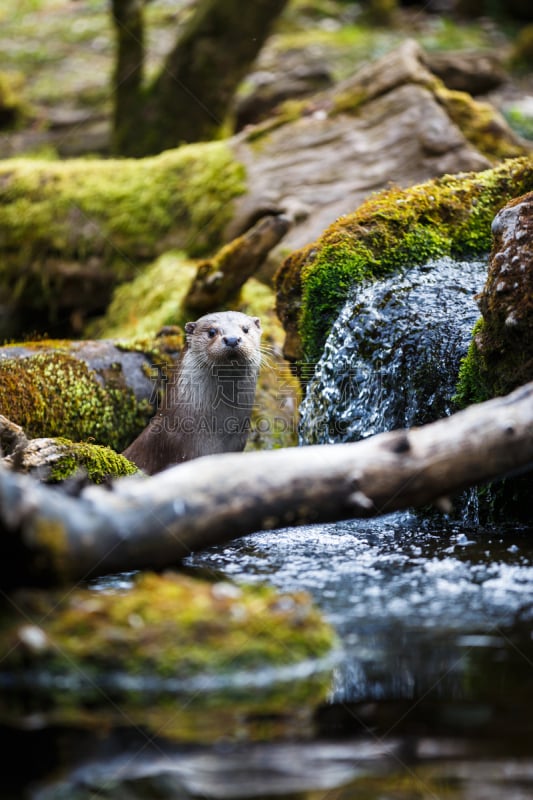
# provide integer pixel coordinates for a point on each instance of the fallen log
(50, 537)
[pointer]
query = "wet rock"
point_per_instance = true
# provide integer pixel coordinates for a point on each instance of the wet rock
(506, 302)
(391, 229)
(501, 354)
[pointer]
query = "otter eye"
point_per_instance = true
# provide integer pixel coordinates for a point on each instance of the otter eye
(245, 328)
(212, 332)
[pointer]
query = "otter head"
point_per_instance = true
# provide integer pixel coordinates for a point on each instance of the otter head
(225, 337)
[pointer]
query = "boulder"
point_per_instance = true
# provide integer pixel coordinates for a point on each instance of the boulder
(475, 72)
(392, 122)
(501, 354)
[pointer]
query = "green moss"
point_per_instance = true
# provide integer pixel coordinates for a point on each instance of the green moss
(447, 216)
(472, 386)
(132, 653)
(99, 463)
(494, 365)
(133, 208)
(55, 394)
(171, 626)
(480, 123)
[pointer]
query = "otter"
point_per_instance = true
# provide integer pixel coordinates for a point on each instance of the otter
(208, 400)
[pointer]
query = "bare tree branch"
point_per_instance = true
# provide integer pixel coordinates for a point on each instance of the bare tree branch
(152, 523)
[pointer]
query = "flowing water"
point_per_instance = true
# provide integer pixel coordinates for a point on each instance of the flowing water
(433, 689)
(392, 357)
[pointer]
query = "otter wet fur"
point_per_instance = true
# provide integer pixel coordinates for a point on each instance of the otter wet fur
(209, 396)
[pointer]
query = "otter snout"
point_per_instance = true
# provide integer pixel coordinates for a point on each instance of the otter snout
(232, 341)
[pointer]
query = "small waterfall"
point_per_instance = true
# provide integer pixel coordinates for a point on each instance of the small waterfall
(392, 357)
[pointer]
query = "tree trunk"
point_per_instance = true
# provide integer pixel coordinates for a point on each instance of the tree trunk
(152, 523)
(189, 99)
(128, 74)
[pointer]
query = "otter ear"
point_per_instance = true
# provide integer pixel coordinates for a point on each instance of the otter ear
(189, 327)
(257, 322)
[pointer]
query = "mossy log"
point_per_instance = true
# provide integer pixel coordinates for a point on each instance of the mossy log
(70, 231)
(101, 392)
(150, 523)
(218, 280)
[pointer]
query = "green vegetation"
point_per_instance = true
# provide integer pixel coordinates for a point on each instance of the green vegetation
(130, 208)
(472, 384)
(480, 124)
(97, 462)
(521, 121)
(150, 301)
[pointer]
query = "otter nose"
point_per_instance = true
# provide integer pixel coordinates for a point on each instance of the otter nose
(232, 341)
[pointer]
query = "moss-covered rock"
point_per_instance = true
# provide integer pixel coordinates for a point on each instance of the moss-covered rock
(397, 227)
(57, 460)
(481, 124)
(86, 391)
(165, 636)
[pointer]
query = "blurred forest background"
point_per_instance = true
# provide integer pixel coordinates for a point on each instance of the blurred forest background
(92, 77)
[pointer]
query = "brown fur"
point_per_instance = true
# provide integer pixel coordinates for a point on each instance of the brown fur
(207, 405)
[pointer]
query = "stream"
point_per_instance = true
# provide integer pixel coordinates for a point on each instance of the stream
(432, 689)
